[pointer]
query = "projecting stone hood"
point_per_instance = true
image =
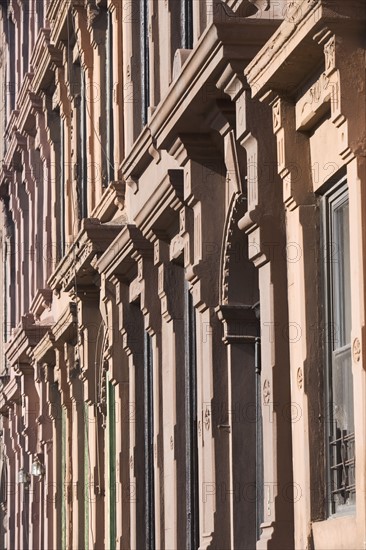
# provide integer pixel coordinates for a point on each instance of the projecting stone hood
(93, 239)
(230, 42)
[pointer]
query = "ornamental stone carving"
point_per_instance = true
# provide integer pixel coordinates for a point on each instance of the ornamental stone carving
(329, 53)
(266, 392)
(300, 378)
(356, 350)
(207, 421)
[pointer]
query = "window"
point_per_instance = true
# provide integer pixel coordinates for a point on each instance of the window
(83, 190)
(192, 508)
(187, 24)
(63, 477)
(11, 66)
(111, 422)
(109, 101)
(145, 61)
(339, 381)
(25, 43)
(149, 444)
(259, 473)
(62, 190)
(9, 270)
(40, 13)
(87, 484)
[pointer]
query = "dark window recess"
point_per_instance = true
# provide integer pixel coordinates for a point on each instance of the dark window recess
(192, 507)
(109, 102)
(259, 438)
(187, 24)
(63, 486)
(25, 44)
(111, 400)
(86, 475)
(83, 178)
(145, 60)
(339, 394)
(11, 79)
(9, 270)
(62, 189)
(40, 13)
(149, 444)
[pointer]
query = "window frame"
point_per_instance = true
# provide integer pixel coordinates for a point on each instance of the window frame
(335, 195)
(145, 60)
(191, 414)
(149, 441)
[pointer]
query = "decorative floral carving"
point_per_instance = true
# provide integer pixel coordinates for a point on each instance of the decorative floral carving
(140, 269)
(276, 113)
(182, 216)
(156, 252)
(266, 392)
(300, 378)
(329, 53)
(207, 420)
(356, 350)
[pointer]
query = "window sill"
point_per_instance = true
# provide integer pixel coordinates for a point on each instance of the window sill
(338, 533)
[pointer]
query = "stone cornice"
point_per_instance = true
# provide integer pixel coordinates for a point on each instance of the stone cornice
(6, 177)
(44, 350)
(42, 41)
(16, 144)
(229, 41)
(12, 124)
(157, 212)
(93, 239)
(113, 199)
(66, 327)
(44, 58)
(41, 302)
(57, 13)
(271, 70)
(24, 89)
(24, 338)
(26, 120)
(232, 40)
(10, 394)
(119, 258)
(138, 158)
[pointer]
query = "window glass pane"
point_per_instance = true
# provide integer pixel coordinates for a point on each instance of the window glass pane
(341, 275)
(341, 461)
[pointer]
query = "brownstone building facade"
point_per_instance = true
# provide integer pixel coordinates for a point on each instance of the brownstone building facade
(183, 254)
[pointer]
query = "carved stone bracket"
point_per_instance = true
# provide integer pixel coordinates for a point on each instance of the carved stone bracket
(240, 323)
